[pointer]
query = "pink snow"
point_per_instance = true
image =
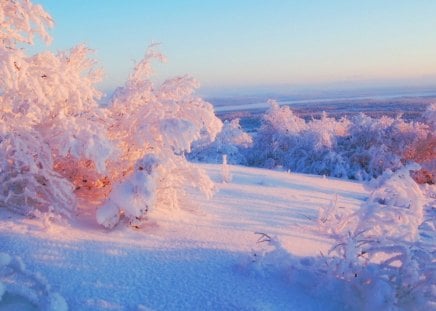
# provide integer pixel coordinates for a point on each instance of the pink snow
(194, 258)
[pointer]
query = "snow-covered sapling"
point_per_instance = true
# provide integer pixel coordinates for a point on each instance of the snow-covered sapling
(225, 171)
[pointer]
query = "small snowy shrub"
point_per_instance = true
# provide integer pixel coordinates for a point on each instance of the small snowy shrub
(133, 196)
(270, 257)
(225, 170)
(286, 140)
(424, 150)
(232, 141)
(31, 288)
(429, 116)
(278, 133)
(395, 208)
(375, 145)
(378, 251)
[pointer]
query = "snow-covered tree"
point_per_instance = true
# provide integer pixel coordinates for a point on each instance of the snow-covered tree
(20, 20)
(29, 183)
(278, 132)
(57, 144)
(423, 150)
(51, 123)
(360, 148)
(232, 141)
(286, 140)
(153, 128)
(374, 145)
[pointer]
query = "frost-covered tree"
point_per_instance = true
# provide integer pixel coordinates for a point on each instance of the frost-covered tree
(317, 148)
(153, 128)
(59, 146)
(359, 148)
(429, 116)
(278, 132)
(232, 141)
(28, 181)
(286, 140)
(424, 150)
(374, 145)
(20, 20)
(51, 127)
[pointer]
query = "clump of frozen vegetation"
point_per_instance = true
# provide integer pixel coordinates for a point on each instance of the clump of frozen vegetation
(152, 128)
(27, 289)
(379, 261)
(379, 249)
(297, 145)
(424, 151)
(231, 141)
(361, 148)
(58, 145)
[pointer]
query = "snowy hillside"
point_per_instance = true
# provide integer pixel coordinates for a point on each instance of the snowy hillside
(104, 207)
(205, 256)
(194, 259)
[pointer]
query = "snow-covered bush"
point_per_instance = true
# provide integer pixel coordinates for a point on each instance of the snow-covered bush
(375, 145)
(378, 249)
(286, 140)
(429, 116)
(50, 119)
(424, 150)
(395, 208)
(57, 144)
(277, 134)
(21, 20)
(133, 196)
(232, 141)
(52, 110)
(28, 104)
(360, 148)
(30, 290)
(153, 128)
(380, 258)
(28, 182)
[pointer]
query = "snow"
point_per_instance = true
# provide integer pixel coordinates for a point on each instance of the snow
(195, 258)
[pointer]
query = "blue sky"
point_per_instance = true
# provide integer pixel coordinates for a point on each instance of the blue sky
(249, 43)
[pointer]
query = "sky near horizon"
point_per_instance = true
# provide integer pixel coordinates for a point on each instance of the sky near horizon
(250, 43)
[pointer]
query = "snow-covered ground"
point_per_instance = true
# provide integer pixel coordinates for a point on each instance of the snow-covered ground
(203, 257)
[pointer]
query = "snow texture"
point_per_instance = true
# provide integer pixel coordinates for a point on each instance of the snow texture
(207, 254)
(21, 289)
